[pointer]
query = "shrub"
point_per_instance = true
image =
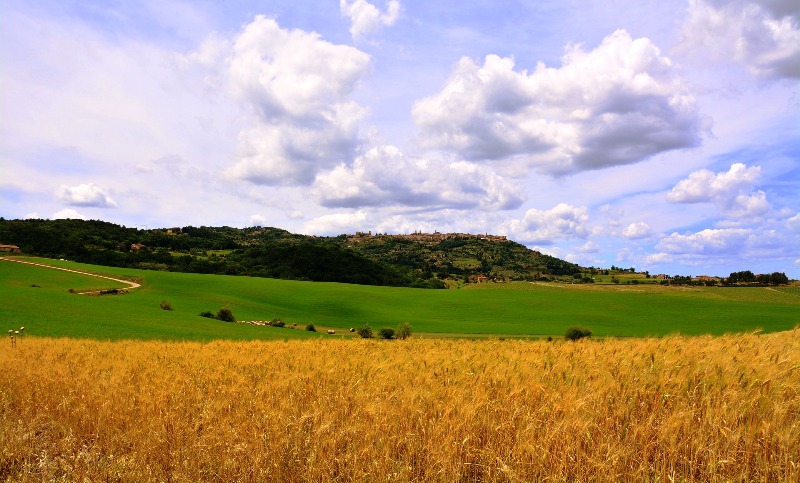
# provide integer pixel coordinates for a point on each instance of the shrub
(166, 305)
(403, 331)
(365, 332)
(224, 314)
(278, 323)
(207, 314)
(311, 328)
(386, 333)
(577, 332)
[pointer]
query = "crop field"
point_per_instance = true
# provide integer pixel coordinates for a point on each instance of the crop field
(38, 299)
(703, 408)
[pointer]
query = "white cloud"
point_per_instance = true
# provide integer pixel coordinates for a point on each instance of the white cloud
(706, 242)
(589, 247)
(731, 191)
(637, 230)
(365, 18)
(385, 176)
(763, 36)
(545, 227)
(257, 220)
(617, 104)
(87, 194)
(67, 213)
(337, 223)
(297, 87)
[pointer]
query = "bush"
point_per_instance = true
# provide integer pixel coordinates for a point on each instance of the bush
(207, 314)
(403, 331)
(577, 332)
(278, 323)
(386, 333)
(311, 328)
(224, 314)
(166, 305)
(365, 332)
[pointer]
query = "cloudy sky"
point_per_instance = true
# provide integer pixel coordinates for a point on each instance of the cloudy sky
(659, 135)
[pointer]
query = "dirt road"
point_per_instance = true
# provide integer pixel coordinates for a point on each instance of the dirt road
(131, 285)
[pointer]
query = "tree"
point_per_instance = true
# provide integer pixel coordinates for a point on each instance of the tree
(386, 333)
(779, 278)
(577, 332)
(365, 332)
(403, 331)
(226, 315)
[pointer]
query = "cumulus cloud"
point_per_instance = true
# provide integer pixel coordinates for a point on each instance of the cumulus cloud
(365, 18)
(617, 104)
(87, 194)
(589, 247)
(637, 230)
(761, 35)
(776, 239)
(731, 191)
(385, 176)
(67, 214)
(297, 86)
(706, 242)
(257, 220)
(545, 227)
(337, 223)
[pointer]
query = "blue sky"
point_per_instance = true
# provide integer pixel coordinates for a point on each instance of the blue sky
(658, 135)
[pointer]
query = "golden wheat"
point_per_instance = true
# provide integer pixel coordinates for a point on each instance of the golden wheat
(670, 409)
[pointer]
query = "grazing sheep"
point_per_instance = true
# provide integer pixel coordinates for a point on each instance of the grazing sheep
(22, 330)
(352, 329)
(331, 331)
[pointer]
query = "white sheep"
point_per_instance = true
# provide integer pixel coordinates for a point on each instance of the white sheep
(331, 331)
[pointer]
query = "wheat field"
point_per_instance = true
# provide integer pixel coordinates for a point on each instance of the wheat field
(669, 409)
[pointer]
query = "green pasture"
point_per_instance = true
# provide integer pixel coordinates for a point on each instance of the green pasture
(513, 310)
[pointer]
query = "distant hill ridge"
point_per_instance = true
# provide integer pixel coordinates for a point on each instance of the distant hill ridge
(425, 260)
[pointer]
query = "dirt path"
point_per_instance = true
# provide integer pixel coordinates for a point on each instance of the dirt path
(131, 285)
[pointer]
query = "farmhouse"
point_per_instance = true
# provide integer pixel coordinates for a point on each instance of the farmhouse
(9, 248)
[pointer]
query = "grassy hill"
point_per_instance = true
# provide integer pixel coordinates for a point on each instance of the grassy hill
(419, 261)
(38, 299)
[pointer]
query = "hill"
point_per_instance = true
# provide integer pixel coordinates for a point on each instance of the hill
(416, 260)
(39, 299)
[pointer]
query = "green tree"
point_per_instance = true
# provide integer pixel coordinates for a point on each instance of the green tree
(365, 332)
(226, 315)
(403, 331)
(386, 333)
(577, 332)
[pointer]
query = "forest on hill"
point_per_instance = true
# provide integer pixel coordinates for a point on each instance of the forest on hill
(394, 260)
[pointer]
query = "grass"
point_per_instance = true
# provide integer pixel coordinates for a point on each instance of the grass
(677, 408)
(513, 310)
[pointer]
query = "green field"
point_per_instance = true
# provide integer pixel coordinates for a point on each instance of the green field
(516, 309)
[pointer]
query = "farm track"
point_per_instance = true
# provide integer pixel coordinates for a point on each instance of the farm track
(131, 285)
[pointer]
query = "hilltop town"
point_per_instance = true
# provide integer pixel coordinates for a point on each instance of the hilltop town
(419, 236)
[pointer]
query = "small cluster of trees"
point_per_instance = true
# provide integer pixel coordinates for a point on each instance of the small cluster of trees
(224, 314)
(748, 277)
(402, 332)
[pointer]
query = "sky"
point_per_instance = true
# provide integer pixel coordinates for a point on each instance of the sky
(658, 135)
